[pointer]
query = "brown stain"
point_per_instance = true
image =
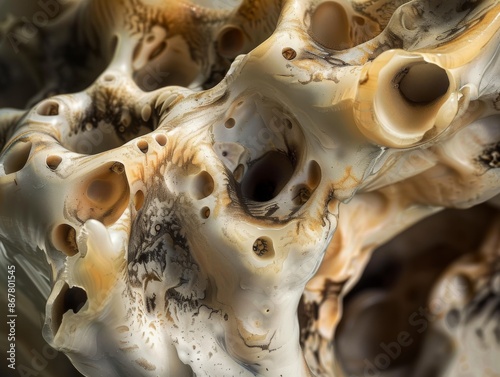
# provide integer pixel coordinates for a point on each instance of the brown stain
(348, 181)
(145, 364)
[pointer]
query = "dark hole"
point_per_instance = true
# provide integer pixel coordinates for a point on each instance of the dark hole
(74, 299)
(267, 177)
(424, 83)
(68, 299)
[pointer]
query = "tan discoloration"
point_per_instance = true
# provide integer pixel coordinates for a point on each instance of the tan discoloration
(192, 221)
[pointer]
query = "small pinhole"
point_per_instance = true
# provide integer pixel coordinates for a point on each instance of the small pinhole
(301, 195)
(143, 146)
(230, 123)
(205, 212)
(289, 53)
(161, 140)
(53, 161)
(263, 248)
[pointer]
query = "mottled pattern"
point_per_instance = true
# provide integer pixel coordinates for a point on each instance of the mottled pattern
(200, 184)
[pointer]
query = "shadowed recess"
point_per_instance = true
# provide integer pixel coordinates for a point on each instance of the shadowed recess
(53, 161)
(230, 42)
(138, 200)
(202, 186)
(73, 299)
(64, 239)
(48, 108)
(266, 177)
(103, 195)
(424, 83)
(330, 26)
(17, 156)
(263, 248)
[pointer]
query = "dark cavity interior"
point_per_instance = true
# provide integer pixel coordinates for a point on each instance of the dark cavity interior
(267, 176)
(424, 83)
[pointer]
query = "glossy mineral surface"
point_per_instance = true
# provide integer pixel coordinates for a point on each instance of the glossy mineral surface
(223, 188)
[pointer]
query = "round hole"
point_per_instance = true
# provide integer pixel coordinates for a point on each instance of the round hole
(230, 42)
(267, 176)
(301, 195)
(118, 168)
(330, 26)
(53, 161)
(289, 53)
(203, 185)
(64, 239)
(17, 156)
(263, 248)
(161, 139)
(205, 212)
(230, 123)
(138, 200)
(143, 146)
(422, 84)
(48, 108)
